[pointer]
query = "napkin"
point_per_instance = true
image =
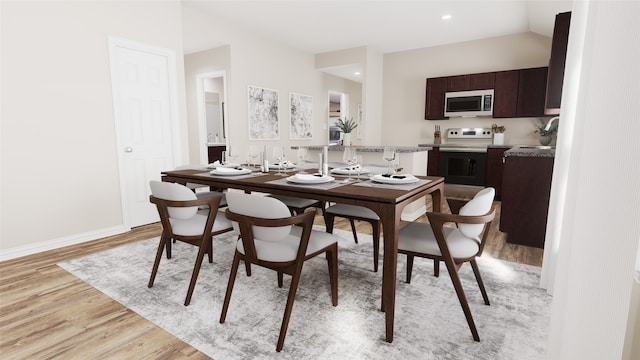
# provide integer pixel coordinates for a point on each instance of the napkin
(285, 164)
(308, 177)
(229, 170)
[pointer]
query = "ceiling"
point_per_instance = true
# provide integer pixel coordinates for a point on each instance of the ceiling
(384, 26)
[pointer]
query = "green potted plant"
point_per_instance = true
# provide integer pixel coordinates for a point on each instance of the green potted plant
(546, 136)
(346, 125)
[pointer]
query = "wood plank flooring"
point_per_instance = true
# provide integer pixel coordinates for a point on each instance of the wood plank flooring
(47, 313)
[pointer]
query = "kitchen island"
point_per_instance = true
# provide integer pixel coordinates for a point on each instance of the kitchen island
(412, 160)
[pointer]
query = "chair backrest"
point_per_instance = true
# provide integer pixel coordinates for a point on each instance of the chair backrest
(479, 205)
(175, 192)
(260, 207)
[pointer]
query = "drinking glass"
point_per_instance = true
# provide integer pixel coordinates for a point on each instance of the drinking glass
(303, 153)
(389, 155)
(279, 156)
(349, 157)
(253, 153)
(359, 164)
(232, 156)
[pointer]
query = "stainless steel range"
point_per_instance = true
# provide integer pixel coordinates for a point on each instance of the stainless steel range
(463, 158)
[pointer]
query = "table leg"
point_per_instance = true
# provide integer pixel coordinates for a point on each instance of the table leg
(437, 197)
(390, 226)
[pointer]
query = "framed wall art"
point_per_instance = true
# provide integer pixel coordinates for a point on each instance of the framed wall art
(300, 116)
(263, 114)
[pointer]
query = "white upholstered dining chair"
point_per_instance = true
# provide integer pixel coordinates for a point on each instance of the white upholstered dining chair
(453, 245)
(182, 220)
(268, 238)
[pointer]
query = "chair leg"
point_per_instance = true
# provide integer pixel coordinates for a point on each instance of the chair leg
(457, 284)
(332, 263)
(168, 246)
(232, 280)
(202, 249)
(288, 308)
(409, 268)
(210, 250)
(280, 279)
(328, 222)
(353, 230)
(476, 272)
(376, 244)
(436, 267)
(156, 263)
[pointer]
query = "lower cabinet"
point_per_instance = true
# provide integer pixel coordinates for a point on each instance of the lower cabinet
(215, 153)
(526, 187)
(495, 169)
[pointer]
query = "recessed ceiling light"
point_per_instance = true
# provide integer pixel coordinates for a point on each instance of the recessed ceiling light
(446, 17)
(357, 73)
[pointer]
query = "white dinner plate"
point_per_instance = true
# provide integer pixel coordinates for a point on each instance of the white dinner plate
(394, 179)
(230, 171)
(217, 164)
(349, 171)
(309, 179)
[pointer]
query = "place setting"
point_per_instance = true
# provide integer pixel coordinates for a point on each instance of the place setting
(392, 179)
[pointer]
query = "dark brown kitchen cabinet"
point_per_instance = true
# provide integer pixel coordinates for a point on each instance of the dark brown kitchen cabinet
(532, 85)
(526, 187)
(458, 83)
(434, 103)
(215, 153)
(495, 168)
(557, 61)
(468, 82)
(505, 104)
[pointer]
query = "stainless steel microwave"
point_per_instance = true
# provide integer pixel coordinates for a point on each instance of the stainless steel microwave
(469, 103)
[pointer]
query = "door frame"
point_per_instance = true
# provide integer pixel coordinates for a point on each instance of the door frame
(170, 55)
(202, 116)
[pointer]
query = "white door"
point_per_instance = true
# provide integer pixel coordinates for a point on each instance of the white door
(144, 122)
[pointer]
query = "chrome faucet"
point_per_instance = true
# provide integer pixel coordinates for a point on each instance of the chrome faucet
(551, 121)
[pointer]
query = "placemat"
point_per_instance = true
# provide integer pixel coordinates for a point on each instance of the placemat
(406, 187)
(325, 186)
(253, 174)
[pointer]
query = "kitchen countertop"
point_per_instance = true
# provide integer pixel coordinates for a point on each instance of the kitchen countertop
(514, 150)
(399, 149)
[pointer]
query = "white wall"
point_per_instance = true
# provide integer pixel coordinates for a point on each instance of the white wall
(405, 75)
(60, 181)
(600, 230)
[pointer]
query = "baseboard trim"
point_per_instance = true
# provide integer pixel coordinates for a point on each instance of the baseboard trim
(61, 242)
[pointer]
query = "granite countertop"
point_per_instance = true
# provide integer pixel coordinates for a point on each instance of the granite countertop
(514, 150)
(399, 149)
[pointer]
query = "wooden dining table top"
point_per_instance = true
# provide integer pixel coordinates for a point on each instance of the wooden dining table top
(387, 201)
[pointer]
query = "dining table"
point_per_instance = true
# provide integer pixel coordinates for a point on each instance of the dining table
(386, 200)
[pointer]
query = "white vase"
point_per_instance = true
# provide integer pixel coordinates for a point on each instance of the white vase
(498, 139)
(346, 139)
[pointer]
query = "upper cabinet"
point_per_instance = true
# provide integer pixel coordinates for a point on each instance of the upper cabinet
(517, 93)
(557, 63)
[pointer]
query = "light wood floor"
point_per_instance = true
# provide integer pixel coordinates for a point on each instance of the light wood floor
(47, 313)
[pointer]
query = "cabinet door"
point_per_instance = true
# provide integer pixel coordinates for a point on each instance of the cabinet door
(434, 102)
(526, 188)
(458, 83)
(482, 81)
(495, 168)
(432, 161)
(532, 85)
(557, 63)
(506, 94)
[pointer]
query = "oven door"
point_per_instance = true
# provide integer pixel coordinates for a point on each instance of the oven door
(465, 168)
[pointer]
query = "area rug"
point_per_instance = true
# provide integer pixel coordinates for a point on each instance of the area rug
(429, 322)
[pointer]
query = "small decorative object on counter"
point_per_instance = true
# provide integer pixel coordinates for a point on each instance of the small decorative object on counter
(498, 134)
(436, 135)
(346, 125)
(546, 135)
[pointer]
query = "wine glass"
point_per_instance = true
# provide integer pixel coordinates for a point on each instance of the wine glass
(349, 157)
(303, 153)
(279, 156)
(359, 164)
(232, 156)
(389, 155)
(253, 154)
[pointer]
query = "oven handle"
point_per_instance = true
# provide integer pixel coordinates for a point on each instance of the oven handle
(462, 149)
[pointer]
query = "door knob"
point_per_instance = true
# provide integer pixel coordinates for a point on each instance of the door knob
(128, 149)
